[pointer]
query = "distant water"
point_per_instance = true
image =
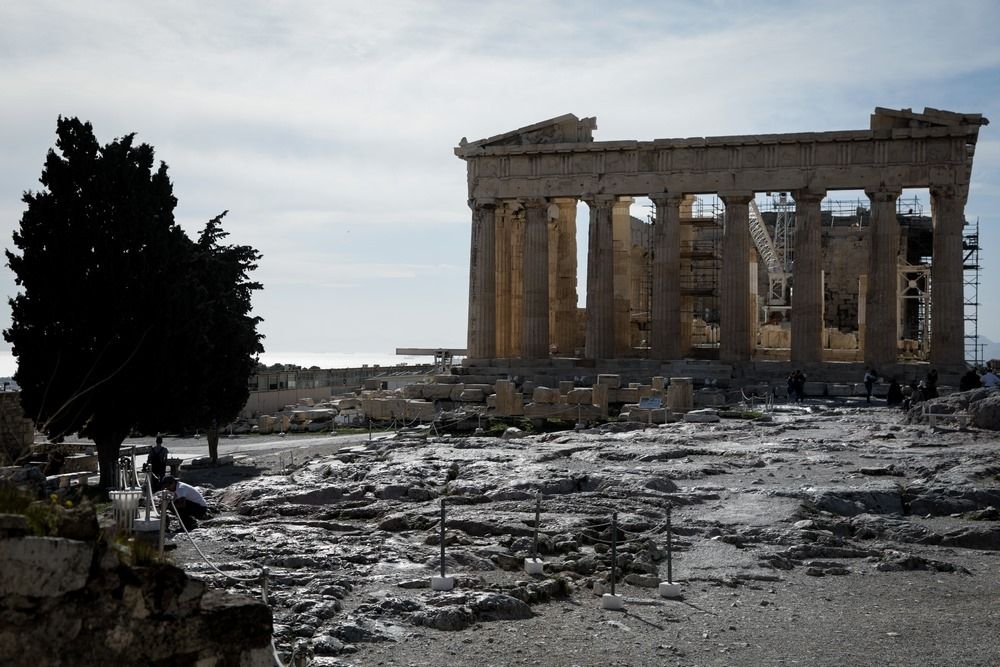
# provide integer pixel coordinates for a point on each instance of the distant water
(7, 363)
(305, 359)
(342, 359)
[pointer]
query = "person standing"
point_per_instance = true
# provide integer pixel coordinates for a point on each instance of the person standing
(930, 384)
(895, 395)
(870, 377)
(800, 386)
(156, 464)
(188, 502)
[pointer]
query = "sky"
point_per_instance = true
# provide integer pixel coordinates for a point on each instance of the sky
(327, 128)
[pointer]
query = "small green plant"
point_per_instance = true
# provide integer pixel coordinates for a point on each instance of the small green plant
(13, 500)
(138, 552)
(44, 516)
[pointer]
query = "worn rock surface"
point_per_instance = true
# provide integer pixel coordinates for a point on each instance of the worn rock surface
(832, 533)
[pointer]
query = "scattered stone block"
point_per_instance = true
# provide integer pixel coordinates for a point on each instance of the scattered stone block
(545, 395)
(609, 380)
(701, 416)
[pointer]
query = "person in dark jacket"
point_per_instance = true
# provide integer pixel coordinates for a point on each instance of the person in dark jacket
(156, 463)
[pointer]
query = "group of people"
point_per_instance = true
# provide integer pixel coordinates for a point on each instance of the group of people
(796, 386)
(974, 379)
(919, 391)
(928, 387)
(188, 502)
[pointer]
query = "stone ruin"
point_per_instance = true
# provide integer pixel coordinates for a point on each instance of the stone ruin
(692, 283)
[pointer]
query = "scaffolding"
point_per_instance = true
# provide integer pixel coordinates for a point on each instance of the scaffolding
(970, 272)
(701, 258)
(772, 222)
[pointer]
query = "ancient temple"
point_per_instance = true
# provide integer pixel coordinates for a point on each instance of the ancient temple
(687, 281)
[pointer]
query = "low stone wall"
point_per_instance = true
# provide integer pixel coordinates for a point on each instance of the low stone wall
(17, 433)
(73, 600)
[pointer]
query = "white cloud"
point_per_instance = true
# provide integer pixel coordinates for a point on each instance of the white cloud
(327, 128)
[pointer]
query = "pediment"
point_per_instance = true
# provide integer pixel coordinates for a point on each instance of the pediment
(560, 130)
(905, 118)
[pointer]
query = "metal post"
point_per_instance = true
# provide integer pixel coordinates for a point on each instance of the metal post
(614, 548)
(135, 476)
(538, 512)
(163, 520)
(670, 555)
(149, 500)
(442, 536)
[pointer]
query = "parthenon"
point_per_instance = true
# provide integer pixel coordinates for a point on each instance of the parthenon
(690, 284)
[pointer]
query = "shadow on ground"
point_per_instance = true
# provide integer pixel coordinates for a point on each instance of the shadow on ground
(221, 476)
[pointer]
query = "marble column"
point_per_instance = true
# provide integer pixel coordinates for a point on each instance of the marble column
(482, 281)
(947, 280)
(665, 334)
(600, 332)
(881, 313)
(535, 306)
(566, 298)
(516, 270)
(734, 308)
(621, 225)
(807, 299)
(505, 278)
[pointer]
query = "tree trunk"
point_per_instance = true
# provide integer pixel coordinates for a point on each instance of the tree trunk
(108, 443)
(212, 434)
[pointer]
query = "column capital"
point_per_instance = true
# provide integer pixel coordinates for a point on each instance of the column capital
(564, 201)
(883, 194)
(599, 198)
(949, 191)
(808, 195)
(736, 197)
(482, 202)
(534, 202)
(668, 198)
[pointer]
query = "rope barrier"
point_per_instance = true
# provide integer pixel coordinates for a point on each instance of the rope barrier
(202, 553)
(767, 399)
(262, 578)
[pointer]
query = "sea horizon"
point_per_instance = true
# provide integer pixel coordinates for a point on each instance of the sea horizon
(323, 360)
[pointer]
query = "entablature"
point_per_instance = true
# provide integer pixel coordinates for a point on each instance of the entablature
(920, 155)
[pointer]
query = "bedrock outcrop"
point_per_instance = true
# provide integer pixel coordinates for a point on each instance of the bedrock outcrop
(788, 532)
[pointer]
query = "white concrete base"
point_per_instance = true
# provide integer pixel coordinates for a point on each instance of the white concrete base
(144, 526)
(609, 601)
(534, 566)
(442, 583)
(670, 590)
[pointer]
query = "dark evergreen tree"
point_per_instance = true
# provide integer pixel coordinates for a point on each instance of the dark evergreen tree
(225, 279)
(116, 326)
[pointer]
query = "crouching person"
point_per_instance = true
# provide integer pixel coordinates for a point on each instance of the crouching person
(188, 501)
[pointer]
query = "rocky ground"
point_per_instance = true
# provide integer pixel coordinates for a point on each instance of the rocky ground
(825, 534)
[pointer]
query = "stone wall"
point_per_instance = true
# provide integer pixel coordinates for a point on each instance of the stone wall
(17, 433)
(74, 600)
(845, 256)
